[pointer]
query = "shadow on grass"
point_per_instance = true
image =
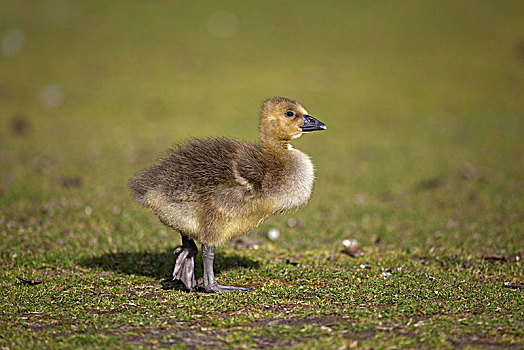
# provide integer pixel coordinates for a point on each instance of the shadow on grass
(160, 264)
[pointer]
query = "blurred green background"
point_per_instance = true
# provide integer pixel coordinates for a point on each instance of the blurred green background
(422, 164)
(424, 103)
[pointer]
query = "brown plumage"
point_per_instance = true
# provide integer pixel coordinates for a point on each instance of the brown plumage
(213, 190)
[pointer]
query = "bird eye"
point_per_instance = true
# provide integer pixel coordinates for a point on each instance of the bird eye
(290, 114)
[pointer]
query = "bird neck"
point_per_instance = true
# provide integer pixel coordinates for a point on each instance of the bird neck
(275, 145)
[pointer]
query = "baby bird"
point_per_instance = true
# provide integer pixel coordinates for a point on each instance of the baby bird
(214, 190)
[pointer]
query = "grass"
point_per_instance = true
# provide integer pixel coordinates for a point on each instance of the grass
(422, 164)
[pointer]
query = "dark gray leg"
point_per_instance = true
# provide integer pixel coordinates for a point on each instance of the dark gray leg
(185, 263)
(210, 284)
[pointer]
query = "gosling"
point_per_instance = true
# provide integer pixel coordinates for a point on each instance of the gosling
(217, 189)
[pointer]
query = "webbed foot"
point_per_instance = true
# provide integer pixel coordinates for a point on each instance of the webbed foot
(185, 263)
(217, 288)
(210, 284)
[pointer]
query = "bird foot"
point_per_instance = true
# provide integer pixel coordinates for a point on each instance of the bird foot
(185, 266)
(210, 283)
(217, 288)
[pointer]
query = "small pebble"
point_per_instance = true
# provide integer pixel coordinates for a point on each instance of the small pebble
(350, 243)
(273, 234)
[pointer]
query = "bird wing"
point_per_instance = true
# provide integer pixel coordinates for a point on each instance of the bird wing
(250, 169)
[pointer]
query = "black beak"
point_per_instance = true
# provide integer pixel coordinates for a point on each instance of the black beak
(312, 124)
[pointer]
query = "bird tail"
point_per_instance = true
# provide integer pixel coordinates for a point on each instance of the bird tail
(138, 187)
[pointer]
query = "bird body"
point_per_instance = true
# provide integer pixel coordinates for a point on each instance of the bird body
(217, 189)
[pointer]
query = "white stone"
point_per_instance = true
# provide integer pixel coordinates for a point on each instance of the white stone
(273, 234)
(350, 243)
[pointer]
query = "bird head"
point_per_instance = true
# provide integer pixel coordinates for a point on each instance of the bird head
(283, 120)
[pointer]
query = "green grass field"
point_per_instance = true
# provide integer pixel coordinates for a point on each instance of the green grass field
(422, 164)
